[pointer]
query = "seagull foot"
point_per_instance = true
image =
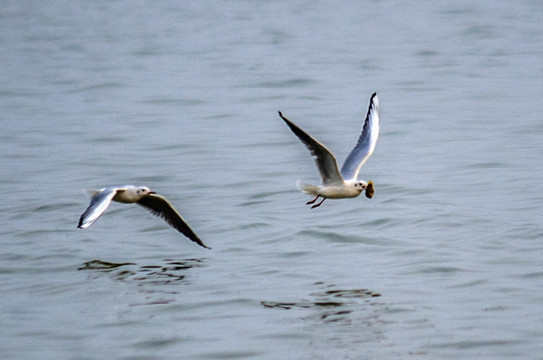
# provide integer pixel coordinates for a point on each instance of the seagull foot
(319, 204)
(312, 201)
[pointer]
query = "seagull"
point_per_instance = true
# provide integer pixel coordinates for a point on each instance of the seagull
(143, 196)
(344, 184)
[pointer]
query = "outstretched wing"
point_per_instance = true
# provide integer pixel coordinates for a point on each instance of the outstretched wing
(159, 206)
(98, 205)
(326, 162)
(366, 142)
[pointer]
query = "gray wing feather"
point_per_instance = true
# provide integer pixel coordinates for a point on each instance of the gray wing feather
(159, 206)
(366, 142)
(326, 162)
(98, 205)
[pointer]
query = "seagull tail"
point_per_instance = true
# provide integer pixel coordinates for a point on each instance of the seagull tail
(307, 188)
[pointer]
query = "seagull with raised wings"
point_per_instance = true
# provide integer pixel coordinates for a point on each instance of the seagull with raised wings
(344, 184)
(143, 196)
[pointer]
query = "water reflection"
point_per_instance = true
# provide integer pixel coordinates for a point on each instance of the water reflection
(101, 265)
(150, 279)
(340, 319)
(332, 304)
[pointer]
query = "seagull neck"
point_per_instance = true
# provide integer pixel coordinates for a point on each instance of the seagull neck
(127, 196)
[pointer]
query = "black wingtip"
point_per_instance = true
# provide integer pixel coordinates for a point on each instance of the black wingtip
(198, 241)
(287, 121)
(194, 238)
(371, 104)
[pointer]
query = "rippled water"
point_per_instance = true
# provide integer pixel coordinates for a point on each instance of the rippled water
(444, 262)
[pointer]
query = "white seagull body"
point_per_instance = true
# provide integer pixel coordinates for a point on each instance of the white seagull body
(344, 184)
(143, 196)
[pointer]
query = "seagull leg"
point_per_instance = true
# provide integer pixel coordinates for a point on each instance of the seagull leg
(319, 204)
(312, 201)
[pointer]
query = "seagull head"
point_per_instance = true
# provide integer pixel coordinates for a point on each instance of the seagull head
(143, 190)
(370, 190)
(359, 186)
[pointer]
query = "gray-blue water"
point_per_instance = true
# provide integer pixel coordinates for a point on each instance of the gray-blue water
(445, 262)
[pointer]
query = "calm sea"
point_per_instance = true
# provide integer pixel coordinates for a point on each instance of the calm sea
(445, 262)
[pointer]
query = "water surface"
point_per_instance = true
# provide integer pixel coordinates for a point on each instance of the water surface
(444, 262)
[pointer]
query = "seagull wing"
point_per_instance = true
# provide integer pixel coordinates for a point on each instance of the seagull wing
(326, 162)
(98, 205)
(159, 206)
(366, 142)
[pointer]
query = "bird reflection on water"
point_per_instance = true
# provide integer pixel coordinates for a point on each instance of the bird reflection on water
(333, 304)
(171, 271)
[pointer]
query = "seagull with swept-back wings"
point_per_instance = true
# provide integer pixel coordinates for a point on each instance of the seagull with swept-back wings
(344, 184)
(143, 196)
